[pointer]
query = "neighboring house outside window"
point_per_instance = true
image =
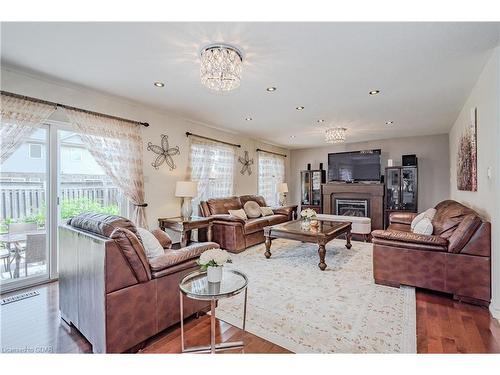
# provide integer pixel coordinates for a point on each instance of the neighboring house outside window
(271, 172)
(212, 166)
(35, 151)
(76, 154)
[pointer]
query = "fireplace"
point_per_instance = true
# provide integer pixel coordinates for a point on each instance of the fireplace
(352, 207)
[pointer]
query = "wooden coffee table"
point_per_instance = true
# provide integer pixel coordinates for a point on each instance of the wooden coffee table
(292, 230)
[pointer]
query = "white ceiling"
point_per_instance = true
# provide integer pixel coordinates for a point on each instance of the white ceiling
(425, 72)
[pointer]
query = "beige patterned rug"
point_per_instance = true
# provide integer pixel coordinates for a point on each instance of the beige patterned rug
(293, 304)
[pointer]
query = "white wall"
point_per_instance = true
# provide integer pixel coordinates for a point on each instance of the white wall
(159, 184)
(485, 96)
(433, 163)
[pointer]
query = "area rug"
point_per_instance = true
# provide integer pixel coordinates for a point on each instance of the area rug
(341, 310)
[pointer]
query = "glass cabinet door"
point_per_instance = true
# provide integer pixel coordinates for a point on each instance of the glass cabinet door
(316, 188)
(409, 188)
(392, 188)
(305, 182)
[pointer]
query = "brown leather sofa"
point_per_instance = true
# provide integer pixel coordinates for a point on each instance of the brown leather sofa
(110, 291)
(234, 234)
(454, 259)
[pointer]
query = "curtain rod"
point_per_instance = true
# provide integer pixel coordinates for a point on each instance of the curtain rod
(270, 152)
(211, 139)
(73, 108)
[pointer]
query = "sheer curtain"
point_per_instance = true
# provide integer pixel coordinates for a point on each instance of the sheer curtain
(271, 172)
(19, 119)
(212, 166)
(117, 147)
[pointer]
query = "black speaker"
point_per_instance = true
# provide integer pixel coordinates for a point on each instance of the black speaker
(409, 160)
(381, 178)
(308, 166)
(321, 166)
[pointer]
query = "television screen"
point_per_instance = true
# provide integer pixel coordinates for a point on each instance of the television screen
(354, 166)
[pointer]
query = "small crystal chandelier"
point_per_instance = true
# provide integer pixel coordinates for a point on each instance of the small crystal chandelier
(221, 67)
(335, 135)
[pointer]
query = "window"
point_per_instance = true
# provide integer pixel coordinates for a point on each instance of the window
(271, 172)
(35, 151)
(75, 154)
(212, 166)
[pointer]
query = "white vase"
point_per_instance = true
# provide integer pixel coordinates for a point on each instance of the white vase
(214, 274)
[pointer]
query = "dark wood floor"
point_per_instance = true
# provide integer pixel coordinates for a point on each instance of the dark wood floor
(443, 326)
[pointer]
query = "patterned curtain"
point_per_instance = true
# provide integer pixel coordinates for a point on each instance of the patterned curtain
(19, 118)
(117, 147)
(271, 172)
(212, 166)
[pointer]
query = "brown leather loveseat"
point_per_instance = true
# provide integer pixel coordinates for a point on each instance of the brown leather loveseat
(454, 259)
(235, 234)
(111, 292)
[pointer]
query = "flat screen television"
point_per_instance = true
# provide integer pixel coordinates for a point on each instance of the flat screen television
(354, 166)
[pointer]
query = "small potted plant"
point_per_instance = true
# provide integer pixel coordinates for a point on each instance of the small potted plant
(212, 261)
(307, 215)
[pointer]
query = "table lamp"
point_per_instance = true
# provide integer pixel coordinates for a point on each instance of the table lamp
(282, 189)
(186, 190)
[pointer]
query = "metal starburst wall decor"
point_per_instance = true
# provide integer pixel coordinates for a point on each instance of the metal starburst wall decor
(165, 153)
(246, 164)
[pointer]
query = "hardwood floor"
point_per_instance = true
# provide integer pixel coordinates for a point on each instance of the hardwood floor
(443, 326)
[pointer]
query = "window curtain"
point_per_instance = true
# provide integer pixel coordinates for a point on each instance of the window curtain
(117, 147)
(211, 165)
(271, 172)
(19, 118)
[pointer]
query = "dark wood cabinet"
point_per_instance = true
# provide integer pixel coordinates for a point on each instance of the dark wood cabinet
(310, 189)
(401, 190)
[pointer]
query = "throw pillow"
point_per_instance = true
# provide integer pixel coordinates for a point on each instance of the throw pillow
(429, 213)
(238, 213)
(152, 246)
(267, 211)
(252, 209)
(416, 219)
(424, 226)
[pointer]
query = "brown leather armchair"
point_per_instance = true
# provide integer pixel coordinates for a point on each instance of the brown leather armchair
(234, 234)
(111, 292)
(454, 259)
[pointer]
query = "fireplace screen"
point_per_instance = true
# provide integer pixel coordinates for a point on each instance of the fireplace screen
(352, 207)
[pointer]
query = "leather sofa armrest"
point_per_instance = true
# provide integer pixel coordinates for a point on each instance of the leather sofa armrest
(227, 219)
(402, 217)
(285, 210)
(415, 238)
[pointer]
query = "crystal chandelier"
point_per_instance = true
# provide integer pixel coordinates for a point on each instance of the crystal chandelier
(221, 67)
(335, 135)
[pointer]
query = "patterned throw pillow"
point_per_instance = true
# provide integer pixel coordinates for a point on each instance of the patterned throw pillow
(429, 214)
(424, 226)
(266, 211)
(238, 213)
(252, 209)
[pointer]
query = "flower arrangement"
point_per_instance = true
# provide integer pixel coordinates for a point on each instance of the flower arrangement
(308, 213)
(213, 258)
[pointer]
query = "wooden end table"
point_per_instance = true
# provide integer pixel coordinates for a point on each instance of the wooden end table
(184, 225)
(326, 231)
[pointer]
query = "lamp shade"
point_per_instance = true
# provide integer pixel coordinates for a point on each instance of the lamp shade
(282, 187)
(186, 189)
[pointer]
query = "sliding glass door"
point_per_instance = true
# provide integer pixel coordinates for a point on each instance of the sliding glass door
(24, 214)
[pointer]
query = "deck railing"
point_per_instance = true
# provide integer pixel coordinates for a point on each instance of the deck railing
(26, 199)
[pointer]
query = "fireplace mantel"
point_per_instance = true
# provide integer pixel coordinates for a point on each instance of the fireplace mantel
(373, 193)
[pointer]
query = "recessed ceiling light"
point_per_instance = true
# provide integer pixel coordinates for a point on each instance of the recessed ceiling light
(271, 89)
(159, 84)
(300, 108)
(249, 119)
(374, 92)
(320, 121)
(389, 122)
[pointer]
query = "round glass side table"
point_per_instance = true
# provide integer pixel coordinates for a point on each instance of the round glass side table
(196, 286)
